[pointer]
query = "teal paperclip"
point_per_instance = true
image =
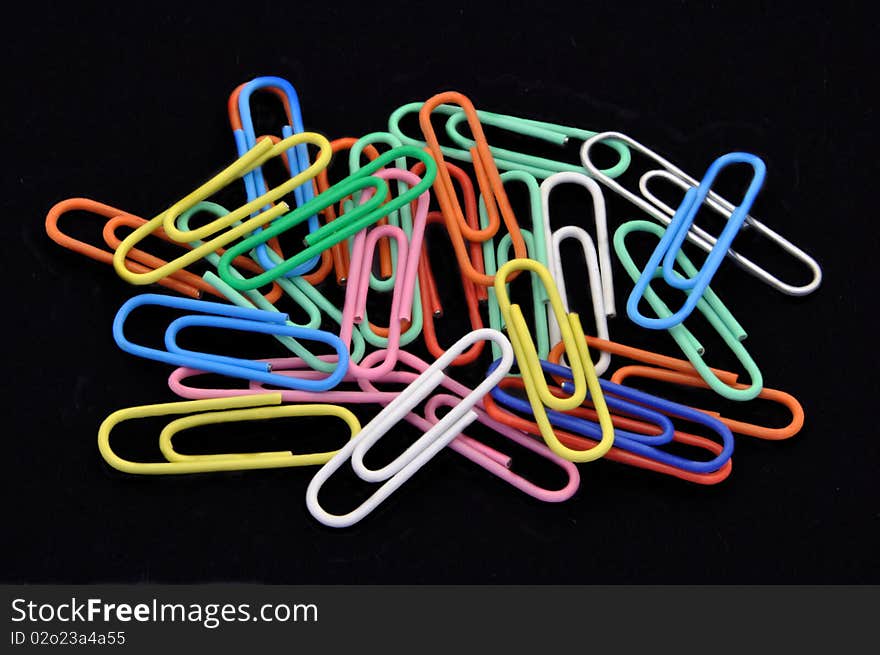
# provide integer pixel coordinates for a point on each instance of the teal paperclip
(709, 305)
(402, 218)
(510, 160)
(536, 248)
(253, 299)
(328, 235)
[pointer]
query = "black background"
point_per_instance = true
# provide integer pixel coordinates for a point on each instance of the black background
(128, 107)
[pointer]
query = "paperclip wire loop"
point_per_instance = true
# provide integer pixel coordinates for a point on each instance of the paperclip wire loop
(221, 410)
(246, 138)
(673, 238)
(583, 373)
(488, 180)
(695, 234)
(182, 282)
(507, 159)
(602, 245)
(229, 317)
(259, 154)
(343, 227)
(739, 427)
(441, 434)
(651, 407)
(709, 305)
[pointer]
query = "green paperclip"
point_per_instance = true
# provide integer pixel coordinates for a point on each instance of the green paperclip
(536, 249)
(253, 298)
(711, 307)
(339, 230)
(510, 160)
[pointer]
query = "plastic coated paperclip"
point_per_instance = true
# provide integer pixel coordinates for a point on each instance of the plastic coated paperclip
(393, 475)
(696, 234)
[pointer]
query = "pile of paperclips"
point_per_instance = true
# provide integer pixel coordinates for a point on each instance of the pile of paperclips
(557, 406)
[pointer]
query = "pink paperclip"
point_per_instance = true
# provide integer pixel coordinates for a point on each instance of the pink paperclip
(476, 451)
(408, 252)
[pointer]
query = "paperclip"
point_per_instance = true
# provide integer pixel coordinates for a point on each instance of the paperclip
(228, 317)
(583, 373)
(263, 151)
(507, 159)
(432, 308)
(152, 262)
(709, 305)
(738, 427)
(342, 228)
(422, 450)
(246, 138)
(259, 407)
(695, 234)
(183, 282)
(602, 246)
(675, 234)
(617, 453)
(488, 180)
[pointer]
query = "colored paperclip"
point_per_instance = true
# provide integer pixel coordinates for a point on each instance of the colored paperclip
(364, 215)
(246, 138)
(263, 151)
(393, 475)
(697, 235)
(738, 427)
(673, 238)
(709, 305)
(583, 373)
(616, 453)
(220, 410)
(489, 182)
(182, 282)
(224, 316)
(539, 167)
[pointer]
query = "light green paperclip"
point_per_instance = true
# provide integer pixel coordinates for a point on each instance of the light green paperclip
(711, 307)
(536, 249)
(253, 298)
(510, 160)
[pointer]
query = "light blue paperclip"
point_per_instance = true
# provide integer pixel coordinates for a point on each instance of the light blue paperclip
(709, 305)
(229, 317)
(246, 138)
(677, 231)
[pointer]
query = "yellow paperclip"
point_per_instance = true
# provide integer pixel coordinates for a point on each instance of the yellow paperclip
(261, 407)
(256, 156)
(583, 374)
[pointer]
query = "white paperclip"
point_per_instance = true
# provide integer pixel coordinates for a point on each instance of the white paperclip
(664, 213)
(596, 289)
(422, 450)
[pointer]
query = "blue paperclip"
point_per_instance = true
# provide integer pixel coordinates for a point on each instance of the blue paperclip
(589, 428)
(677, 232)
(229, 317)
(634, 443)
(246, 138)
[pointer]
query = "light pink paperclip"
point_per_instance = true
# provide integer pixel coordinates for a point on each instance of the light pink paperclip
(358, 285)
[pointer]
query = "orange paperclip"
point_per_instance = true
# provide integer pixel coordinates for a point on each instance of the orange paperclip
(738, 427)
(491, 188)
(183, 282)
(615, 454)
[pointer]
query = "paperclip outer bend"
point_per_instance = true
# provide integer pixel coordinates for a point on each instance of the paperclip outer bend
(739, 427)
(577, 355)
(404, 466)
(242, 408)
